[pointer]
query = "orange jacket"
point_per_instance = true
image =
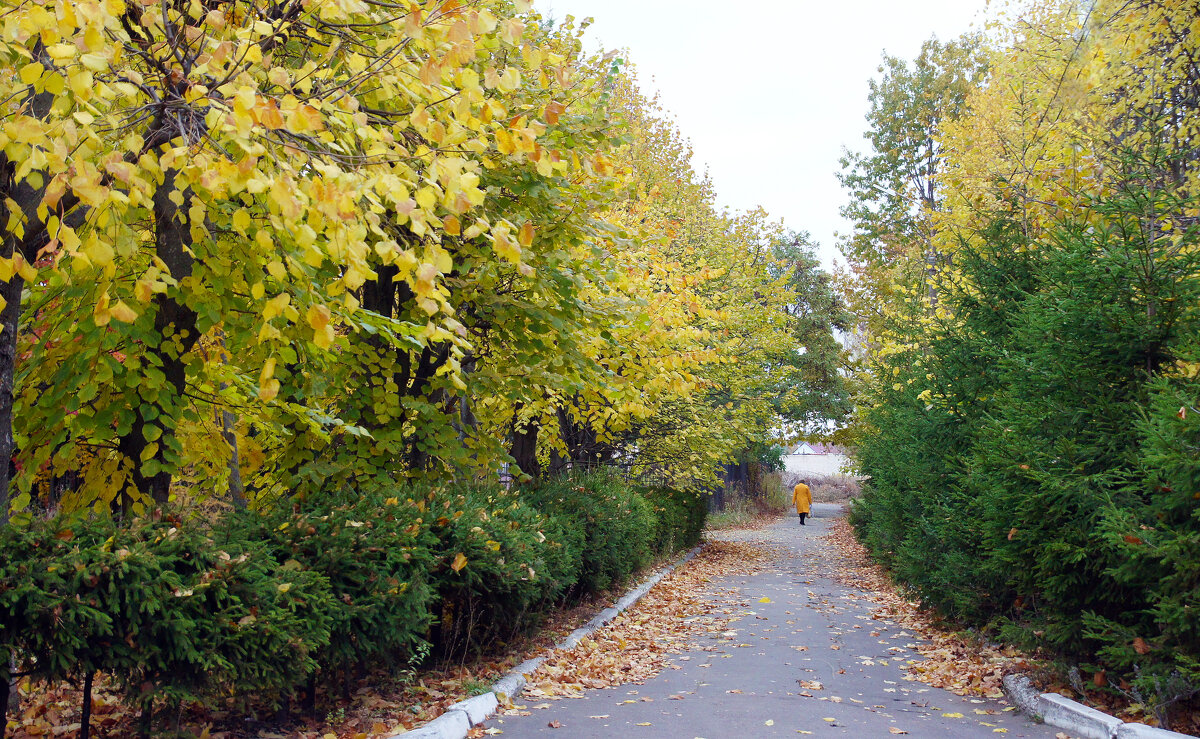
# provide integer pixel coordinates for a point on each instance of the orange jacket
(802, 497)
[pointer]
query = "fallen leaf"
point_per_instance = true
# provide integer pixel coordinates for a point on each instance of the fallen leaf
(894, 730)
(769, 722)
(764, 600)
(555, 724)
(952, 715)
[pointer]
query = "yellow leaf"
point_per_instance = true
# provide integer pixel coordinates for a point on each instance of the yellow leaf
(123, 312)
(952, 715)
(505, 246)
(323, 337)
(98, 252)
(764, 600)
(241, 221)
(30, 73)
(459, 562)
(526, 237)
(94, 62)
(318, 317)
(101, 314)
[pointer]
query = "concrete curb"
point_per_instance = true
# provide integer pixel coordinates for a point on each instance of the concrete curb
(458, 719)
(1080, 720)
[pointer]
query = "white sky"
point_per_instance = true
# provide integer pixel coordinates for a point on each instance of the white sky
(769, 91)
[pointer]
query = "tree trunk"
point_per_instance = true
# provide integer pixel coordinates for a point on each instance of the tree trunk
(9, 318)
(237, 491)
(175, 327)
(524, 444)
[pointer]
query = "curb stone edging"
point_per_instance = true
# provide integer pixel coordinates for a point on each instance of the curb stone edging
(458, 719)
(1082, 721)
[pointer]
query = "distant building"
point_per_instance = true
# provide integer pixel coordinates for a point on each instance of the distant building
(816, 459)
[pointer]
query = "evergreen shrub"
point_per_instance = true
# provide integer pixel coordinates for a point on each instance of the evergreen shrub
(501, 564)
(606, 520)
(160, 606)
(375, 550)
(679, 516)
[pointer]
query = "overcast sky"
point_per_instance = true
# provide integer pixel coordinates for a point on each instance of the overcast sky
(769, 91)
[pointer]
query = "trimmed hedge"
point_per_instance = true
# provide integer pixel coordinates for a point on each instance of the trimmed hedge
(258, 603)
(501, 565)
(160, 607)
(680, 516)
(606, 520)
(375, 551)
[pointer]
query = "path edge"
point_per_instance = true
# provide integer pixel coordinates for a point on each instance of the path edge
(1082, 721)
(458, 719)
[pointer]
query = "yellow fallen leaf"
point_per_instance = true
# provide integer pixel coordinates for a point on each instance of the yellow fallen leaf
(952, 715)
(999, 731)
(769, 722)
(645, 723)
(830, 720)
(764, 600)
(459, 562)
(894, 730)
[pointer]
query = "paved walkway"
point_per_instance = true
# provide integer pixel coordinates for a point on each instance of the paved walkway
(810, 661)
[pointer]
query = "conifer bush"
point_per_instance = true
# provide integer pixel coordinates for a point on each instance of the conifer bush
(501, 565)
(160, 606)
(1033, 462)
(375, 550)
(606, 520)
(679, 516)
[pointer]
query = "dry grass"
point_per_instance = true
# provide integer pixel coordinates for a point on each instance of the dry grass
(826, 488)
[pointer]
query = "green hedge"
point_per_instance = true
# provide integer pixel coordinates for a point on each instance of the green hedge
(501, 564)
(606, 521)
(159, 606)
(375, 550)
(679, 517)
(258, 603)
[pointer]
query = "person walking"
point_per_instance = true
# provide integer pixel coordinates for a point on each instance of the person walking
(802, 497)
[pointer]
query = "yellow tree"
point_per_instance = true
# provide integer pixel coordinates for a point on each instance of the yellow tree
(179, 176)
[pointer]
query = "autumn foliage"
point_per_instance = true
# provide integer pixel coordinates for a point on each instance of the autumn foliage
(288, 288)
(1028, 417)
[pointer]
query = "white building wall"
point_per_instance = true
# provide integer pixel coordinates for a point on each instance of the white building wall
(815, 464)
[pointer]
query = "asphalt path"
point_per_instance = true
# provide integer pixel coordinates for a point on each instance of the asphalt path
(803, 656)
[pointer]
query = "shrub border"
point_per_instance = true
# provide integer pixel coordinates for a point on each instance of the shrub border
(458, 719)
(1063, 713)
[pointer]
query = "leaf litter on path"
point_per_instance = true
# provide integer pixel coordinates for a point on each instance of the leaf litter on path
(668, 620)
(951, 661)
